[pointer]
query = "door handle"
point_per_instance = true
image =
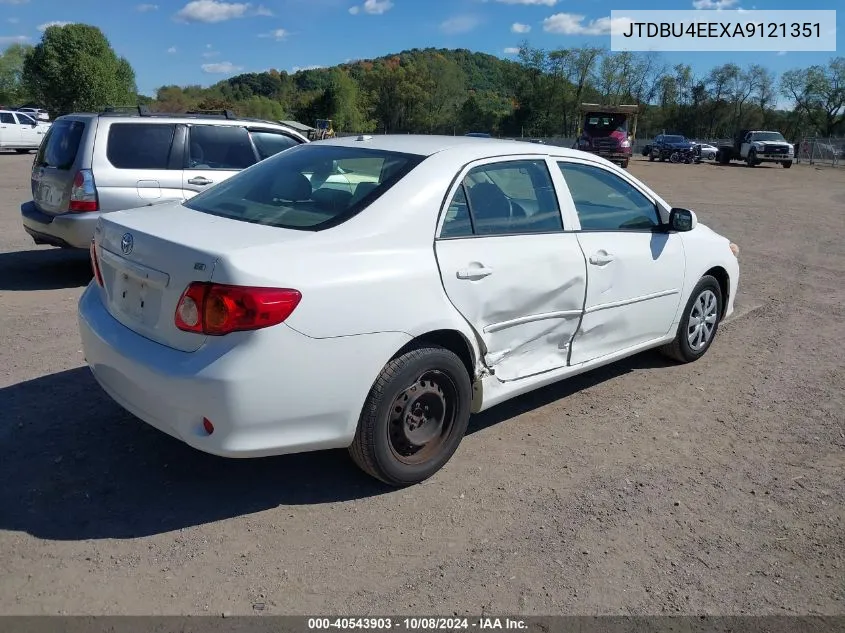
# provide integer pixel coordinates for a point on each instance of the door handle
(478, 272)
(200, 180)
(601, 258)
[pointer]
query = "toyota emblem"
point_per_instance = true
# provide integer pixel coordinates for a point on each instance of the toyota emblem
(126, 243)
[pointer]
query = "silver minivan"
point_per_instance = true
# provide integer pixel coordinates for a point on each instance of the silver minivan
(90, 164)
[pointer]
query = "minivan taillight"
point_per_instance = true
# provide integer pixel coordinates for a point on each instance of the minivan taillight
(95, 264)
(218, 309)
(83, 194)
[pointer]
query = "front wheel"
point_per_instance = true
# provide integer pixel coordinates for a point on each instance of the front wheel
(624, 164)
(699, 322)
(787, 164)
(674, 157)
(23, 151)
(414, 417)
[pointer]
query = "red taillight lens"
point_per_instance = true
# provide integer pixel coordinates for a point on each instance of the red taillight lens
(218, 309)
(95, 263)
(83, 194)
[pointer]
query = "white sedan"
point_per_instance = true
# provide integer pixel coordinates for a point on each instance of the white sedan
(287, 310)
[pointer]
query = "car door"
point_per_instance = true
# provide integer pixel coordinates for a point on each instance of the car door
(745, 147)
(31, 133)
(142, 164)
(635, 268)
(509, 267)
(213, 154)
(10, 134)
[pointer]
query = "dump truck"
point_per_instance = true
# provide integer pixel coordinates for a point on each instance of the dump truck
(608, 131)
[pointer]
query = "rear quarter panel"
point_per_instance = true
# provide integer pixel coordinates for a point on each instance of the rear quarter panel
(375, 273)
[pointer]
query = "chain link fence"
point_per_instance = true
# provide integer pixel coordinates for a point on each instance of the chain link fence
(821, 151)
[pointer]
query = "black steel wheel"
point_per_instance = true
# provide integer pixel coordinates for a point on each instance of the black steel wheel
(415, 416)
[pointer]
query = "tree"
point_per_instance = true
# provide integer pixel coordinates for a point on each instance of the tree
(12, 91)
(74, 68)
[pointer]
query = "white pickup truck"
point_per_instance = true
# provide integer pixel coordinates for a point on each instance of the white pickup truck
(756, 147)
(20, 132)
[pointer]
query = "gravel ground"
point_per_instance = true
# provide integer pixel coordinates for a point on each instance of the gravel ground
(642, 488)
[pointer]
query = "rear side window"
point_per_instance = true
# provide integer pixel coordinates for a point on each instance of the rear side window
(270, 143)
(7, 118)
(309, 187)
(60, 145)
(140, 145)
(220, 147)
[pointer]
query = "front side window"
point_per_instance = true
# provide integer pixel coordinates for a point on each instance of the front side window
(220, 147)
(24, 119)
(512, 197)
(308, 187)
(140, 145)
(270, 143)
(606, 202)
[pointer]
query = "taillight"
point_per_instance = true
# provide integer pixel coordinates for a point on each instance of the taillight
(83, 194)
(95, 264)
(218, 309)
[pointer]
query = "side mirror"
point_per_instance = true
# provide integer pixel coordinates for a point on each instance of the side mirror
(682, 220)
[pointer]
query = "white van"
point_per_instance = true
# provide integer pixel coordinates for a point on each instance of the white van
(20, 132)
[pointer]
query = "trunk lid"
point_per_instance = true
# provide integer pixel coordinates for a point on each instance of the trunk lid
(149, 256)
(55, 166)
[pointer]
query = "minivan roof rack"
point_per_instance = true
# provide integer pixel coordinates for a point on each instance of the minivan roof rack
(140, 109)
(225, 113)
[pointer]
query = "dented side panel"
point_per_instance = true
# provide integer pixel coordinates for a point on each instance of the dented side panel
(526, 307)
(633, 290)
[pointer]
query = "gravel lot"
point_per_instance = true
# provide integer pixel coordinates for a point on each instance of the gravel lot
(644, 488)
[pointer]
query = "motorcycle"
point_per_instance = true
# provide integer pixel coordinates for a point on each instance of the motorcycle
(686, 156)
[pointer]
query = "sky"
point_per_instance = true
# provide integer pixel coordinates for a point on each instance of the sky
(203, 41)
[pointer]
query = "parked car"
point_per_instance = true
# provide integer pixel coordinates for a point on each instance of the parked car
(91, 164)
(36, 113)
(274, 314)
(756, 147)
(664, 145)
(708, 151)
(20, 132)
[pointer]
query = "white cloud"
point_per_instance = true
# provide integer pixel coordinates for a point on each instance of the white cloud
(276, 34)
(512, 50)
(573, 24)
(713, 4)
(47, 25)
(210, 54)
(144, 8)
(211, 11)
(516, 27)
(372, 7)
(171, 50)
(543, 3)
(12, 20)
(459, 24)
(296, 69)
(6, 40)
(221, 68)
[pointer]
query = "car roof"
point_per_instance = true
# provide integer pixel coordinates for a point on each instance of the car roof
(428, 145)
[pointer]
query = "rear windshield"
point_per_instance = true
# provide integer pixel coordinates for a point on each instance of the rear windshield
(309, 187)
(60, 145)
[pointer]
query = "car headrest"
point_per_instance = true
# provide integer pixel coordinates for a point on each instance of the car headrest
(489, 202)
(291, 185)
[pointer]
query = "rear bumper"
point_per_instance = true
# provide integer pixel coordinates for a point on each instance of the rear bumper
(70, 230)
(269, 392)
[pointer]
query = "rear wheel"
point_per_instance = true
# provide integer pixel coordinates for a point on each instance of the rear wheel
(415, 416)
(699, 322)
(23, 151)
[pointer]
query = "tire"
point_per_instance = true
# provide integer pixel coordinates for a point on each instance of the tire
(624, 164)
(392, 416)
(651, 157)
(723, 157)
(681, 349)
(751, 160)
(787, 164)
(23, 151)
(674, 157)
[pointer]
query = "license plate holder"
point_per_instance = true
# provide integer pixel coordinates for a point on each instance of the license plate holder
(131, 296)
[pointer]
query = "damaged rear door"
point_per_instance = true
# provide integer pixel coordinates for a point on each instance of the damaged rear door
(509, 267)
